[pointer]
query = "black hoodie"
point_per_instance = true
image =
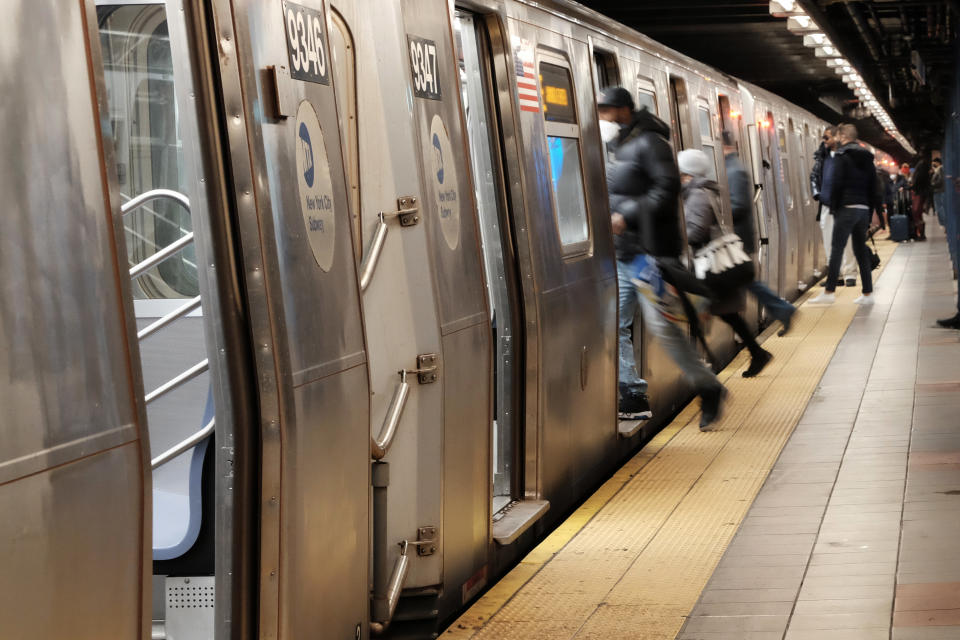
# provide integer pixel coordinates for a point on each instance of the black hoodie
(854, 178)
(644, 183)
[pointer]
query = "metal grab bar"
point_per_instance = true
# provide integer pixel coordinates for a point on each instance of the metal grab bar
(397, 577)
(173, 383)
(369, 264)
(155, 194)
(183, 445)
(138, 269)
(758, 188)
(381, 444)
(179, 312)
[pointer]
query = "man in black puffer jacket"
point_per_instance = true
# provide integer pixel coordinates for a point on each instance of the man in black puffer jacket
(644, 187)
(852, 201)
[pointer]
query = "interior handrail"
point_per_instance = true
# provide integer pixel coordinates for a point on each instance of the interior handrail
(175, 382)
(185, 444)
(179, 312)
(155, 194)
(138, 269)
(381, 444)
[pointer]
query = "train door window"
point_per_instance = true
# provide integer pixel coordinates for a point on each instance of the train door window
(476, 90)
(563, 145)
(784, 165)
(680, 112)
(608, 74)
(707, 142)
(646, 95)
(138, 71)
(344, 68)
(730, 119)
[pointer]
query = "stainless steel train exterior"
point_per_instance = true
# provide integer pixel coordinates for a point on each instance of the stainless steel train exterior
(314, 303)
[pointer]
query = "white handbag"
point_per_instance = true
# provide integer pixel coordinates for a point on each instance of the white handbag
(722, 263)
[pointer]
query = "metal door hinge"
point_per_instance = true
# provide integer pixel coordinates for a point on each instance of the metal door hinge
(426, 541)
(426, 368)
(408, 213)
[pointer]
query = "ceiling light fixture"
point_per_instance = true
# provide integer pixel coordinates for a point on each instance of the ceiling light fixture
(800, 23)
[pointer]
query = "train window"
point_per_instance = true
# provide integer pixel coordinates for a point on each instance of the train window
(646, 95)
(344, 68)
(707, 144)
(729, 119)
(784, 165)
(608, 74)
(138, 71)
(706, 128)
(563, 146)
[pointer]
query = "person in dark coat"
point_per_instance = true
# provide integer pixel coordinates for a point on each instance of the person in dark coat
(821, 185)
(701, 197)
(741, 202)
(853, 201)
(644, 186)
(920, 185)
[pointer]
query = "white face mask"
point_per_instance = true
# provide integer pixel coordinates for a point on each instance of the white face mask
(609, 130)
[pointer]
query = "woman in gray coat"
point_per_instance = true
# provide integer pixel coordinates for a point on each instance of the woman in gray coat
(701, 197)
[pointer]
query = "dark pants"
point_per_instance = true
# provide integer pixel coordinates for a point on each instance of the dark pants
(850, 224)
(739, 326)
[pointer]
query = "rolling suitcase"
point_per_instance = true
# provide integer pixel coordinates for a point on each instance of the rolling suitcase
(899, 228)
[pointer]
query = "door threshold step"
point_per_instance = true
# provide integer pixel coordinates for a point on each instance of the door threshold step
(517, 518)
(629, 428)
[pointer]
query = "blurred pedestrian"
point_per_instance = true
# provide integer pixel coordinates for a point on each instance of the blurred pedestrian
(701, 212)
(937, 187)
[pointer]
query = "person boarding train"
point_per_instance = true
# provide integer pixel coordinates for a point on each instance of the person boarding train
(644, 185)
(741, 202)
(821, 185)
(701, 214)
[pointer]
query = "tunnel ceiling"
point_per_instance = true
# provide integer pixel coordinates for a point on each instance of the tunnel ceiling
(878, 37)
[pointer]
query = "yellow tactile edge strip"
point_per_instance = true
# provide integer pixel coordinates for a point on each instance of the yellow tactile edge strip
(633, 559)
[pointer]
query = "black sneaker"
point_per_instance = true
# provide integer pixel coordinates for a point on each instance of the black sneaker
(757, 363)
(950, 323)
(851, 282)
(840, 282)
(635, 406)
(711, 407)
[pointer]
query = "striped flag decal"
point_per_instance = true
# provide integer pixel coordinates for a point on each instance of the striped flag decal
(527, 87)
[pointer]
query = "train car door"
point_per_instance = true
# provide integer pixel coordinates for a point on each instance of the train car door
(790, 218)
(283, 149)
(74, 450)
(771, 199)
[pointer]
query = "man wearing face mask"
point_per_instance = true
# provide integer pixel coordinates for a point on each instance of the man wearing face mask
(644, 186)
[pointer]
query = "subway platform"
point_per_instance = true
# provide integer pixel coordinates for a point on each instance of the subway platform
(825, 505)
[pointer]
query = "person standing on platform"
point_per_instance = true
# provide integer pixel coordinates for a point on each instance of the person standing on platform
(701, 211)
(634, 403)
(644, 186)
(920, 185)
(852, 201)
(936, 186)
(741, 201)
(821, 185)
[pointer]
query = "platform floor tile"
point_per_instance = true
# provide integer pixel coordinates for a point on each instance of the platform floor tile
(638, 563)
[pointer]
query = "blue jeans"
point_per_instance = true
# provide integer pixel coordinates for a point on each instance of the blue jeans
(850, 224)
(629, 300)
(779, 308)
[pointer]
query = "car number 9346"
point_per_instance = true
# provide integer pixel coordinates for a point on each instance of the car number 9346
(305, 43)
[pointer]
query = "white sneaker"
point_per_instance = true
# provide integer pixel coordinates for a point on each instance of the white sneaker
(866, 299)
(823, 298)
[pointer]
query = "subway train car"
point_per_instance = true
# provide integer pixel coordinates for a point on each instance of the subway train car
(311, 313)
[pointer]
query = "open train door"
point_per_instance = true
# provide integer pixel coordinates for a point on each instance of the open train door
(281, 148)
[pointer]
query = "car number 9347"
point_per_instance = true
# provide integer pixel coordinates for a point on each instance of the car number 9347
(423, 67)
(305, 43)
